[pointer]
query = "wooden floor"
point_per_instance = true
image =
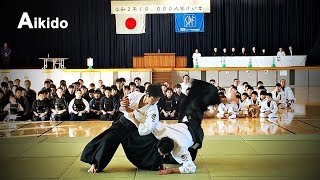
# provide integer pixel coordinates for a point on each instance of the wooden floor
(284, 148)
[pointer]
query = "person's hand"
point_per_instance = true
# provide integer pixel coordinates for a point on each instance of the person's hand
(267, 112)
(84, 111)
(172, 114)
(111, 112)
(124, 102)
(104, 113)
(131, 115)
(164, 171)
(36, 114)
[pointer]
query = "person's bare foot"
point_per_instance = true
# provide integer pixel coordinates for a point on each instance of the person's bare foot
(92, 169)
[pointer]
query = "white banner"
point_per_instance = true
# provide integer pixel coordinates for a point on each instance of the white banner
(160, 7)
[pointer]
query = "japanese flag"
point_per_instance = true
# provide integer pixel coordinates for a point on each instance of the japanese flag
(130, 23)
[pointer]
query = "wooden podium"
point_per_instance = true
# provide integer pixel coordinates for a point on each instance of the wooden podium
(159, 60)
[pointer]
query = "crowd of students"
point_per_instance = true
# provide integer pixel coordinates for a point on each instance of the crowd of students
(77, 102)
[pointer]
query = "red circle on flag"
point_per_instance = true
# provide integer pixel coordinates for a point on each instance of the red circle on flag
(131, 23)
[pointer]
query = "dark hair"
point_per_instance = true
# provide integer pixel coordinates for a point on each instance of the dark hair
(245, 94)
(169, 89)
(97, 92)
(269, 94)
(40, 92)
(238, 96)
(4, 84)
(10, 82)
(154, 90)
(126, 87)
(84, 87)
(114, 87)
(118, 81)
(132, 84)
(53, 86)
(122, 79)
(255, 92)
(46, 82)
(186, 75)
(146, 83)
(80, 80)
(245, 83)
(263, 93)
(221, 94)
(250, 87)
(108, 88)
(63, 82)
(137, 78)
(178, 86)
(261, 87)
(92, 84)
(71, 86)
(259, 82)
(212, 80)
(1, 91)
(165, 145)
(278, 85)
(91, 91)
(19, 89)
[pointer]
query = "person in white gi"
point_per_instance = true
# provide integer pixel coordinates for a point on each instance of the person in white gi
(281, 52)
(225, 110)
(269, 108)
(185, 84)
(195, 57)
(290, 99)
(279, 96)
(237, 107)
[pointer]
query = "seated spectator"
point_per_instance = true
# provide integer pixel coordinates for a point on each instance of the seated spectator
(254, 52)
(3, 103)
(69, 95)
(236, 106)
(245, 103)
(164, 90)
(79, 108)
(290, 99)
(254, 107)
(243, 52)
(137, 81)
(212, 81)
(281, 52)
(225, 110)
(231, 96)
(168, 106)
(146, 84)
(46, 85)
(279, 96)
(224, 52)
(91, 94)
(215, 52)
(263, 52)
(132, 86)
(259, 83)
(59, 107)
(84, 93)
(262, 96)
(40, 108)
(95, 105)
(233, 52)
(269, 107)
(178, 97)
(12, 109)
(108, 105)
(249, 91)
(25, 115)
(126, 90)
(92, 86)
(31, 94)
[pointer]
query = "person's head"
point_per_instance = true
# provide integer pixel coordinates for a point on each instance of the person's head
(212, 81)
(233, 49)
(165, 146)
(100, 83)
(107, 92)
(119, 84)
(41, 95)
(263, 95)
(63, 82)
(12, 99)
(5, 45)
(92, 86)
(253, 49)
(215, 49)
(123, 80)
(280, 49)
(91, 93)
(24, 92)
(269, 97)
(278, 87)
(223, 99)
(153, 93)
(254, 95)
(46, 84)
(64, 87)
(238, 98)
(126, 90)
(169, 92)
(97, 94)
(1, 94)
(83, 89)
(59, 92)
(261, 88)
(137, 80)
(132, 86)
(146, 84)
(283, 83)
(166, 84)
(259, 83)
(178, 88)
(236, 82)
(224, 50)
(263, 51)
(164, 88)
(17, 82)
(4, 86)
(71, 89)
(186, 78)
(243, 50)
(27, 84)
(80, 81)
(18, 92)
(245, 84)
(196, 50)
(49, 93)
(6, 79)
(290, 48)
(78, 94)
(10, 84)
(244, 96)
(249, 90)
(114, 90)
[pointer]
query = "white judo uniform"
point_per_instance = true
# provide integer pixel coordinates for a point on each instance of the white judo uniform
(273, 109)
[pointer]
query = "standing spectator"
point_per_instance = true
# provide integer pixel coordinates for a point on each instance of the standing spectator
(254, 52)
(263, 52)
(290, 51)
(185, 84)
(215, 52)
(281, 52)
(233, 52)
(5, 56)
(224, 52)
(243, 52)
(195, 57)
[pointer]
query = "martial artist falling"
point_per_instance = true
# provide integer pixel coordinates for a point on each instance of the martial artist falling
(146, 141)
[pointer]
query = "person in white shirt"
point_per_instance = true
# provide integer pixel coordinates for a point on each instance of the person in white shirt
(225, 110)
(246, 102)
(279, 96)
(254, 107)
(290, 99)
(236, 83)
(185, 84)
(99, 151)
(281, 52)
(79, 108)
(269, 107)
(195, 57)
(290, 50)
(237, 107)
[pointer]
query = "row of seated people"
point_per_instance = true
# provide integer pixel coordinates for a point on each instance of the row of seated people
(254, 104)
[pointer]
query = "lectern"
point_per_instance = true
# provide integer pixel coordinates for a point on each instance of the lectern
(159, 60)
